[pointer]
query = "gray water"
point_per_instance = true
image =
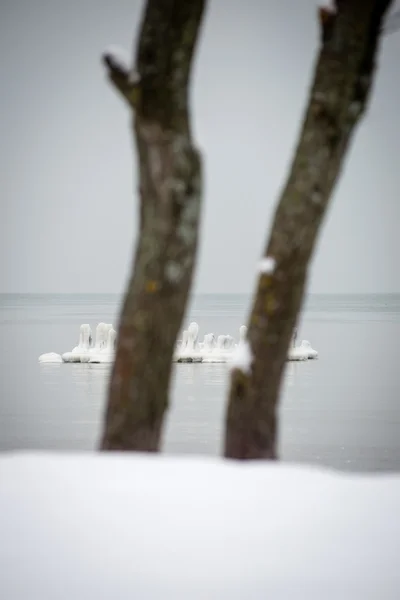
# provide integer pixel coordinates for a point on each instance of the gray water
(342, 410)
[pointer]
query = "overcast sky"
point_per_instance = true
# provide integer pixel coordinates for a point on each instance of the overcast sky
(68, 180)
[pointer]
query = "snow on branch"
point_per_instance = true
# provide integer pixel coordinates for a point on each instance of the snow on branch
(120, 74)
(117, 58)
(242, 358)
(267, 265)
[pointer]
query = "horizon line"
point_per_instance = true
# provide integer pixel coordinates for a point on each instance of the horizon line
(359, 293)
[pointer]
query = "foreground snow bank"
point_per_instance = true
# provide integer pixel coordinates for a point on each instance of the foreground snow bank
(101, 527)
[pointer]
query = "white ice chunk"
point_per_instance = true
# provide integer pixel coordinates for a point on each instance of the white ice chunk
(50, 357)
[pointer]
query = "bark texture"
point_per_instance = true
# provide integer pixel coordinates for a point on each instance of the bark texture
(342, 83)
(170, 198)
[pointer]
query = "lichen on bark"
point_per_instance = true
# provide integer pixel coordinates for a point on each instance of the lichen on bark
(170, 192)
(338, 98)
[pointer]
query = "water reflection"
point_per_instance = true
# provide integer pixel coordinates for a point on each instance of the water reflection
(208, 374)
(341, 410)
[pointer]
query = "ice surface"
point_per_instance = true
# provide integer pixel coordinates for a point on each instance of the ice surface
(97, 526)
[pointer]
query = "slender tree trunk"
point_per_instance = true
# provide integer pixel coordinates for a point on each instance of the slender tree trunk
(170, 199)
(338, 98)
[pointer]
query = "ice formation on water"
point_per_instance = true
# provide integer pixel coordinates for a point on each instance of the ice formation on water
(306, 346)
(181, 346)
(209, 343)
(297, 353)
(302, 352)
(242, 335)
(85, 350)
(82, 348)
(106, 353)
(50, 357)
(222, 349)
(218, 353)
(101, 338)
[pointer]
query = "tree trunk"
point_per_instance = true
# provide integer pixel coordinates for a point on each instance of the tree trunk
(170, 200)
(338, 98)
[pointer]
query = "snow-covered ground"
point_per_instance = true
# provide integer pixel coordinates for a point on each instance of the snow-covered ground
(116, 527)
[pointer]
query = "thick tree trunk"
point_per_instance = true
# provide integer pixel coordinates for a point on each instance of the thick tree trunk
(170, 200)
(338, 98)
